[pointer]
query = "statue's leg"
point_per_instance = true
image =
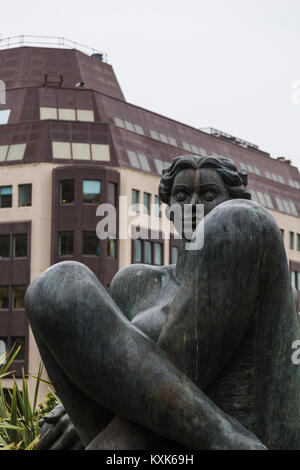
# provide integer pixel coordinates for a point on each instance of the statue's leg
(240, 275)
(115, 365)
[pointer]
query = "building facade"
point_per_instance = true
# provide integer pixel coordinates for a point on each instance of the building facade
(70, 141)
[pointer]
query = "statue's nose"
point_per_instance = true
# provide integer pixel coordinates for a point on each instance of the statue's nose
(195, 199)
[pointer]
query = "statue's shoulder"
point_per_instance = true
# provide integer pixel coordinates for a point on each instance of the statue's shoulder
(137, 283)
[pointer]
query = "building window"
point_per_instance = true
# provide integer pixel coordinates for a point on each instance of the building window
(147, 252)
(5, 196)
(111, 247)
(135, 200)
(90, 243)
(18, 294)
(174, 254)
(157, 206)
(65, 243)
(298, 242)
(4, 297)
(3, 349)
(112, 193)
(25, 195)
(91, 191)
(66, 192)
(158, 254)
(20, 245)
(137, 251)
(291, 240)
(147, 203)
(4, 116)
(19, 342)
(4, 246)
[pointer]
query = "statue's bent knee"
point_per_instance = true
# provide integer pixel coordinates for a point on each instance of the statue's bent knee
(54, 289)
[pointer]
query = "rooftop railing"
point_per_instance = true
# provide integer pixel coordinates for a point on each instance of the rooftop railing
(224, 135)
(48, 41)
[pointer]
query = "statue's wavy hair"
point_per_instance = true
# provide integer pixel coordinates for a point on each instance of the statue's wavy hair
(235, 179)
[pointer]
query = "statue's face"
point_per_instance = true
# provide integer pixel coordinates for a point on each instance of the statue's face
(201, 186)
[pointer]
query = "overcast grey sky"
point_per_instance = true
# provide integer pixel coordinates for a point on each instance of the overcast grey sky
(229, 64)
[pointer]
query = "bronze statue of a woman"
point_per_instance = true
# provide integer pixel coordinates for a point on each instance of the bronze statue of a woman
(194, 355)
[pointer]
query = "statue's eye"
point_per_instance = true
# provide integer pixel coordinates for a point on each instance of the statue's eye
(209, 196)
(180, 196)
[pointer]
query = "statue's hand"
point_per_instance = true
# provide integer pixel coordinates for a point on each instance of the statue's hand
(58, 432)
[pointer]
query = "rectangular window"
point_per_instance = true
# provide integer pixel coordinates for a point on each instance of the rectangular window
(157, 206)
(291, 240)
(135, 199)
(112, 193)
(91, 191)
(25, 195)
(19, 342)
(129, 125)
(90, 244)
(139, 129)
(147, 203)
(4, 116)
(4, 297)
(137, 251)
(147, 252)
(5, 196)
(3, 349)
(298, 242)
(4, 246)
(20, 245)
(111, 248)
(66, 192)
(172, 141)
(158, 254)
(65, 243)
(174, 254)
(18, 294)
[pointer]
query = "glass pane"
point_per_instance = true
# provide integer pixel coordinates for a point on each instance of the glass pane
(146, 208)
(6, 196)
(158, 254)
(298, 242)
(67, 192)
(135, 199)
(3, 349)
(18, 296)
(133, 159)
(111, 248)
(298, 281)
(174, 254)
(90, 243)
(143, 162)
(157, 206)
(4, 116)
(16, 342)
(25, 192)
(91, 191)
(65, 243)
(137, 251)
(20, 245)
(4, 297)
(112, 193)
(291, 237)
(147, 252)
(4, 246)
